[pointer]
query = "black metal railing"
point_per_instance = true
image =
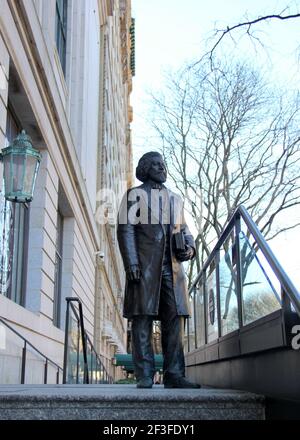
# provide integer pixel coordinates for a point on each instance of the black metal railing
(82, 364)
(24, 359)
(240, 284)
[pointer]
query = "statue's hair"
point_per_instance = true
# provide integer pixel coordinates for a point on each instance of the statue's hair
(144, 164)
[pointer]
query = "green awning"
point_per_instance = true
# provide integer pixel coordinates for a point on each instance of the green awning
(125, 360)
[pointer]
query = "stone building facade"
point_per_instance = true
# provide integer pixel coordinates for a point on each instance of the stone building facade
(115, 165)
(66, 78)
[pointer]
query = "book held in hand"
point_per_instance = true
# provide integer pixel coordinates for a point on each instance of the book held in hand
(179, 241)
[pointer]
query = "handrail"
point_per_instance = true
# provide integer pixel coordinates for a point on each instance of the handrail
(26, 342)
(286, 283)
(84, 338)
(80, 321)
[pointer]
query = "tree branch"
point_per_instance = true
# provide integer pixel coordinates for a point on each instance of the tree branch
(248, 24)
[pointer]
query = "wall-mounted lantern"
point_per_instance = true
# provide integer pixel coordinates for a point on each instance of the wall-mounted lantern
(20, 167)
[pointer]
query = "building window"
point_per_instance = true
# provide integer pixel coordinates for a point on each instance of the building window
(57, 319)
(14, 232)
(61, 31)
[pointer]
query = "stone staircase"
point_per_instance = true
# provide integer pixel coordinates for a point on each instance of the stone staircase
(125, 402)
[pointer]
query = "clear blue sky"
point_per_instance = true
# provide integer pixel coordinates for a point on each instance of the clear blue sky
(170, 32)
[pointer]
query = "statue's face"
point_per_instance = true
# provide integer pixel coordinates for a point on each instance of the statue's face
(157, 170)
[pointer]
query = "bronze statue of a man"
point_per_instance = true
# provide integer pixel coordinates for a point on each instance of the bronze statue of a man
(154, 240)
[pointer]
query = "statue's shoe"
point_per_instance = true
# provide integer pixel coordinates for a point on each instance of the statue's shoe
(180, 382)
(145, 382)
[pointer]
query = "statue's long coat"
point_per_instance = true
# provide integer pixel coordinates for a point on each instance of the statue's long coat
(143, 243)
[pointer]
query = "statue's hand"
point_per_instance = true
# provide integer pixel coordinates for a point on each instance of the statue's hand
(133, 273)
(185, 255)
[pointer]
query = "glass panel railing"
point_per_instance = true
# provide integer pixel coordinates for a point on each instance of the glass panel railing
(200, 315)
(89, 360)
(191, 323)
(82, 363)
(97, 371)
(228, 289)
(35, 367)
(81, 368)
(186, 343)
(91, 365)
(105, 375)
(11, 347)
(260, 288)
(242, 282)
(53, 375)
(101, 374)
(211, 307)
(94, 367)
(75, 364)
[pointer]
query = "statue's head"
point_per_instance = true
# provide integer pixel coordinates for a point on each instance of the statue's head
(151, 166)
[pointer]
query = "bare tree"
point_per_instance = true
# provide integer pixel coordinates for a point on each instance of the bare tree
(229, 140)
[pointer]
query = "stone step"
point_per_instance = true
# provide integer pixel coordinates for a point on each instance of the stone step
(126, 402)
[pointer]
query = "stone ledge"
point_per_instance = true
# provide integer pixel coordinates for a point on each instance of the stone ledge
(125, 402)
